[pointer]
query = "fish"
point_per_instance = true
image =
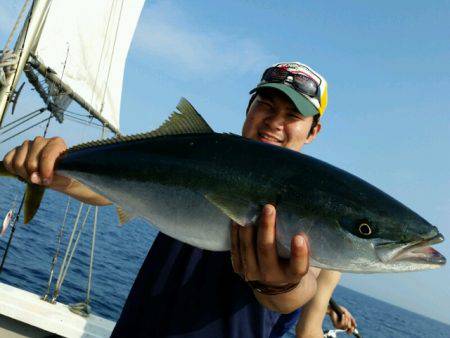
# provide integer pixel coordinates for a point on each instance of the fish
(191, 182)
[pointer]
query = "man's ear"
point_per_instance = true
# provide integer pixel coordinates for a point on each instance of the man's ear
(314, 132)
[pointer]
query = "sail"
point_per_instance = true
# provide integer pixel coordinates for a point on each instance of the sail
(86, 43)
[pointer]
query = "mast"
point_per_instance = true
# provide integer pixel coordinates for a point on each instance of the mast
(24, 45)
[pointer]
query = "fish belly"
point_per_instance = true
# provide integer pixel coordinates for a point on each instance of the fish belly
(177, 212)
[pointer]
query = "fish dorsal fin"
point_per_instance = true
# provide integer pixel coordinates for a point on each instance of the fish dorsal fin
(184, 121)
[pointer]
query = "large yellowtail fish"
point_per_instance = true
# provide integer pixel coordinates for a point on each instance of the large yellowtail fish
(190, 182)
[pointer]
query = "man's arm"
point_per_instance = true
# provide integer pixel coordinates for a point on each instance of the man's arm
(34, 161)
(313, 313)
(255, 258)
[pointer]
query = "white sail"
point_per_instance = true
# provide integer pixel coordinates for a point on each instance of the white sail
(86, 43)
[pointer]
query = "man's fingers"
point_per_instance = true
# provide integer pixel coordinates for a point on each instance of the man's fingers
(32, 161)
(235, 251)
(48, 157)
(248, 252)
(7, 161)
(266, 244)
(346, 322)
(334, 318)
(299, 261)
(19, 160)
(351, 324)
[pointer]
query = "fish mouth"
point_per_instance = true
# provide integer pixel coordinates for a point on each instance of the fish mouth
(419, 252)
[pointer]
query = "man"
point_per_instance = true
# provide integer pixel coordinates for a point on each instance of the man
(182, 291)
(313, 313)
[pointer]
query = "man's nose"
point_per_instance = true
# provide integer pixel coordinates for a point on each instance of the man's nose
(275, 121)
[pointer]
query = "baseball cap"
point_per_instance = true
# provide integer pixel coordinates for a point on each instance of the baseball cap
(306, 88)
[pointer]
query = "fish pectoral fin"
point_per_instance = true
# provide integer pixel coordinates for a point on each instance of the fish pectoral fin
(240, 210)
(32, 201)
(124, 216)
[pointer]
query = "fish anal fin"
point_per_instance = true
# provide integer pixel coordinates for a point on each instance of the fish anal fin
(32, 201)
(238, 209)
(124, 216)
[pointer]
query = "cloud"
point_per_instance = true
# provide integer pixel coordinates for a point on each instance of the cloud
(166, 33)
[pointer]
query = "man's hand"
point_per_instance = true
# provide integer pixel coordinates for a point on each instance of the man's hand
(34, 161)
(347, 321)
(254, 257)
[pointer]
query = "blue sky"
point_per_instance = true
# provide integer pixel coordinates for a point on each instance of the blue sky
(388, 119)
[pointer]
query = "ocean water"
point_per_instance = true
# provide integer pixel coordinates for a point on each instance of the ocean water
(119, 253)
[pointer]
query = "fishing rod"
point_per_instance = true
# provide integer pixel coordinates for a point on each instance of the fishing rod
(13, 229)
(336, 308)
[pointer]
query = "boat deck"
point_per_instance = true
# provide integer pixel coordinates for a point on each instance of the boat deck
(24, 314)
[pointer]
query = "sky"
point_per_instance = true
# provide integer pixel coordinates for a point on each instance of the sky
(388, 117)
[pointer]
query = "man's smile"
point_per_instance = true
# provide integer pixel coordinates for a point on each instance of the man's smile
(269, 138)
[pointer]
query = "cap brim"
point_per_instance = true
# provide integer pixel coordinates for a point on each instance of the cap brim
(303, 105)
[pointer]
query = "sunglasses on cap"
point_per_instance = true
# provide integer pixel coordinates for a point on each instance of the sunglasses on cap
(300, 82)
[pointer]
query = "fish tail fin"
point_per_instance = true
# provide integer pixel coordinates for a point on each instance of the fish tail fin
(33, 198)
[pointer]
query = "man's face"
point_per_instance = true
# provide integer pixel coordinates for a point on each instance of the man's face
(273, 118)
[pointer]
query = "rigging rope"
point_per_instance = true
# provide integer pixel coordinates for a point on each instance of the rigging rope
(112, 54)
(19, 19)
(16, 122)
(83, 308)
(71, 247)
(88, 123)
(61, 269)
(26, 129)
(74, 247)
(22, 117)
(55, 257)
(101, 56)
(91, 262)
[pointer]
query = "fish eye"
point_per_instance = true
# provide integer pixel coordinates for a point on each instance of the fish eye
(364, 229)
